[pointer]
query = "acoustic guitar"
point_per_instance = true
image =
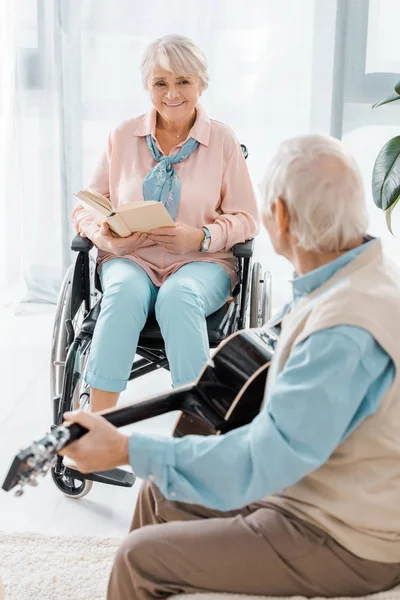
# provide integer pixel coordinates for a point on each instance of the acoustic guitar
(228, 394)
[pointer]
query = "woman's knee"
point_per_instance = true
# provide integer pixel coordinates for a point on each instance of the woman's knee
(177, 297)
(126, 283)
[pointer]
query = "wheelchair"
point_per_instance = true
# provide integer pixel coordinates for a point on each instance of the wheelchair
(78, 308)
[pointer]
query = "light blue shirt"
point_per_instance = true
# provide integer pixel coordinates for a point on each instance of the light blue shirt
(331, 382)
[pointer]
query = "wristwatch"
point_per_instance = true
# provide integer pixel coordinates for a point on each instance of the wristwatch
(205, 244)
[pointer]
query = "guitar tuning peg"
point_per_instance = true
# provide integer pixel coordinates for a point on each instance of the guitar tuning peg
(19, 491)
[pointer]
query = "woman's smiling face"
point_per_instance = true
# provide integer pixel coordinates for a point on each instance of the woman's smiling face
(174, 97)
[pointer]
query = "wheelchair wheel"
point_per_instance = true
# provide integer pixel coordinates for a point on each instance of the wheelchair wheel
(59, 346)
(71, 486)
(260, 296)
(59, 340)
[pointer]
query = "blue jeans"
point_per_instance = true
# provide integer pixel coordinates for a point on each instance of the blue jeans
(181, 306)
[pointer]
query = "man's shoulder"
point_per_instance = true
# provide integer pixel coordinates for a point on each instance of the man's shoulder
(372, 307)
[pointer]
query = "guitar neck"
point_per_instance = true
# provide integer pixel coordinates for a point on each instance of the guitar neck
(146, 409)
(180, 399)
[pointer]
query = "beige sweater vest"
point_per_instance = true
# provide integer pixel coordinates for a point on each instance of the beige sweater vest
(355, 495)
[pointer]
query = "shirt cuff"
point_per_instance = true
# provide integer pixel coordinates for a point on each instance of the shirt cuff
(149, 455)
(217, 242)
(91, 230)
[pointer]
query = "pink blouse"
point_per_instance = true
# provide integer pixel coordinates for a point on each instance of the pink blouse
(216, 192)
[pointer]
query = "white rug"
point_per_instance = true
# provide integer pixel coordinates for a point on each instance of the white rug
(39, 567)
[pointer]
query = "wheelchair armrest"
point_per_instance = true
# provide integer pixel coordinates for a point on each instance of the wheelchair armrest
(81, 244)
(244, 250)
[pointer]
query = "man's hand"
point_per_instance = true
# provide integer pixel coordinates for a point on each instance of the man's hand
(179, 239)
(106, 241)
(102, 448)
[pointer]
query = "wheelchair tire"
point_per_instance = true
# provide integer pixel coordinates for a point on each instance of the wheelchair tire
(59, 339)
(59, 345)
(260, 296)
(69, 486)
(267, 296)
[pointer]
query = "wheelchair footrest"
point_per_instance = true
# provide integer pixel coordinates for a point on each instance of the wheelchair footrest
(118, 477)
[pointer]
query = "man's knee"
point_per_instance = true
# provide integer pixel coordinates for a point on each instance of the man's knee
(138, 552)
(129, 550)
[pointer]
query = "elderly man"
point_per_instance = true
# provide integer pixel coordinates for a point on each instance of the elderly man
(305, 499)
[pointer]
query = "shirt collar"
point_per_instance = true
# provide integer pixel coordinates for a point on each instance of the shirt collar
(310, 281)
(200, 130)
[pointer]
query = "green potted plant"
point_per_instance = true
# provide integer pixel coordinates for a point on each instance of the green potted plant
(386, 172)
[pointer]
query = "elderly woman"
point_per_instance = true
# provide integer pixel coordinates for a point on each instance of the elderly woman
(194, 165)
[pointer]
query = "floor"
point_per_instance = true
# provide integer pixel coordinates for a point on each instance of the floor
(25, 415)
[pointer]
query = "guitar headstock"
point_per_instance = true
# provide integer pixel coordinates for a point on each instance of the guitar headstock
(36, 460)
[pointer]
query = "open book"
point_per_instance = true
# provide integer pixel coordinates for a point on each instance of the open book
(128, 218)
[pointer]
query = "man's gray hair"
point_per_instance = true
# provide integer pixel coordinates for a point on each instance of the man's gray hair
(175, 53)
(322, 188)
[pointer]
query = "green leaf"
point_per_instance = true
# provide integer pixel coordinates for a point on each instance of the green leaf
(397, 87)
(391, 98)
(388, 215)
(386, 175)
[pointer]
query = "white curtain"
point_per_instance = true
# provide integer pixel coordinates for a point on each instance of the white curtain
(70, 73)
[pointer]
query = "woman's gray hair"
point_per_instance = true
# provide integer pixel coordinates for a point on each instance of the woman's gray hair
(175, 53)
(322, 188)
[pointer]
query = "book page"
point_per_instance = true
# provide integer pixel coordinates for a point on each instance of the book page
(94, 197)
(145, 216)
(118, 225)
(102, 215)
(130, 205)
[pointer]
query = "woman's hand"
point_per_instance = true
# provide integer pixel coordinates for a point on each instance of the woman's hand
(104, 240)
(179, 239)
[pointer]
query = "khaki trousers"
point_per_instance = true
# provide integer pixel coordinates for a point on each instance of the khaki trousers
(181, 548)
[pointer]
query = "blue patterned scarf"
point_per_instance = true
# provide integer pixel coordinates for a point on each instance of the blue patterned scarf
(162, 183)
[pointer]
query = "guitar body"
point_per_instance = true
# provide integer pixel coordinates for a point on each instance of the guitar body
(190, 425)
(232, 384)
